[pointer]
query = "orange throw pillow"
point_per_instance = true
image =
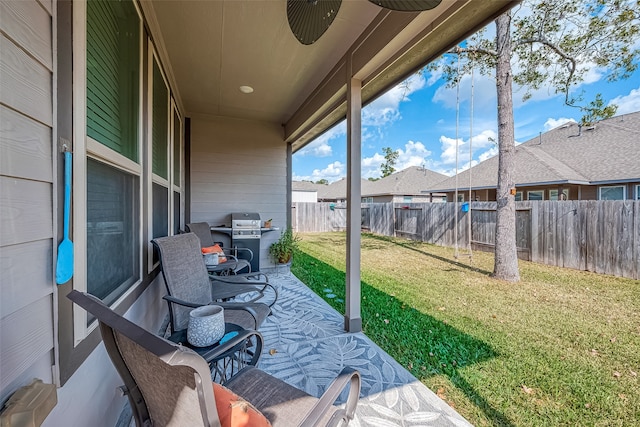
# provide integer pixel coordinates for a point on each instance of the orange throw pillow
(215, 249)
(235, 412)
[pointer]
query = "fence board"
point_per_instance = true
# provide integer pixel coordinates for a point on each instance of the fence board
(599, 236)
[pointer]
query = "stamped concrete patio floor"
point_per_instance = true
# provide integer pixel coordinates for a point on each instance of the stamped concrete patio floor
(306, 346)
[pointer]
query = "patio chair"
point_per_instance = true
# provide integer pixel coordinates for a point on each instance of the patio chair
(230, 270)
(188, 286)
(233, 264)
(169, 385)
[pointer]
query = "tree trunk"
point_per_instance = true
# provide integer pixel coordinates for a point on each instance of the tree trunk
(506, 254)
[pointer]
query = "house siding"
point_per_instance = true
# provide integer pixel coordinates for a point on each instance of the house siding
(238, 166)
(26, 194)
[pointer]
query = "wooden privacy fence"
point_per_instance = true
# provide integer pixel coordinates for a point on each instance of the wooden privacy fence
(598, 236)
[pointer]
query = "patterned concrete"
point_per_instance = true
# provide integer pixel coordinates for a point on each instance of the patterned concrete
(306, 346)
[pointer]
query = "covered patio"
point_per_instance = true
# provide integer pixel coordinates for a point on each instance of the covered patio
(305, 345)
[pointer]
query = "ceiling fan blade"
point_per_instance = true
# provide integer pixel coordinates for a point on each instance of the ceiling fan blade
(407, 5)
(309, 19)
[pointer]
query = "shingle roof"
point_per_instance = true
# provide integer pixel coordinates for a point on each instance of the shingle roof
(337, 190)
(306, 186)
(409, 181)
(606, 152)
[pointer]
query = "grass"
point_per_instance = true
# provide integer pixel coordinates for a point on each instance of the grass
(559, 348)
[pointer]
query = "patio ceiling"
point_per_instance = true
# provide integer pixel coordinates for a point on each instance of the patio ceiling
(215, 46)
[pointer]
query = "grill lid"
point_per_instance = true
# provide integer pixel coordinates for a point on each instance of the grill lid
(245, 220)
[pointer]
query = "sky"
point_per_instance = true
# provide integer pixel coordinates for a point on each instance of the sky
(418, 119)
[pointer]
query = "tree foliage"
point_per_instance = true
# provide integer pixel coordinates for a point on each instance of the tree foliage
(322, 181)
(556, 44)
(391, 157)
(552, 44)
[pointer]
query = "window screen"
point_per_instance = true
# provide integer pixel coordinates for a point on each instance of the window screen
(113, 243)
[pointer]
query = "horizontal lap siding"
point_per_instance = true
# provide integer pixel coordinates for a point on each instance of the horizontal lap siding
(26, 194)
(238, 166)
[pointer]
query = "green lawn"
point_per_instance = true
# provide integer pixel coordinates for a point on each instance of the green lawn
(560, 348)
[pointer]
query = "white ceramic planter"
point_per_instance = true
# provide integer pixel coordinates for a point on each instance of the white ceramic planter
(206, 325)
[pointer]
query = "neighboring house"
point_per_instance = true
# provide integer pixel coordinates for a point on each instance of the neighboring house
(337, 191)
(152, 98)
(404, 186)
(400, 187)
(570, 162)
(305, 191)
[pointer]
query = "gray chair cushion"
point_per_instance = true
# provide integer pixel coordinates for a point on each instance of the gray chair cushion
(282, 404)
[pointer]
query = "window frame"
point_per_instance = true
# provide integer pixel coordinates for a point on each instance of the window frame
(624, 191)
(86, 147)
(637, 191)
(173, 145)
(541, 192)
(565, 191)
(152, 178)
(520, 193)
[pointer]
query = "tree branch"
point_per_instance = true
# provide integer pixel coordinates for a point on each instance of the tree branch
(571, 65)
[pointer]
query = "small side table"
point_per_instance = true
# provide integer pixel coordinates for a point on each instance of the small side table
(238, 348)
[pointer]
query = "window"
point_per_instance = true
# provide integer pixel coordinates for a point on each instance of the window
(176, 159)
(553, 194)
(367, 200)
(113, 76)
(535, 195)
(637, 192)
(518, 196)
(123, 184)
(113, 39)
(461, 197)
(112, 231)
(160, 187)
(616, 192)
(408, 199)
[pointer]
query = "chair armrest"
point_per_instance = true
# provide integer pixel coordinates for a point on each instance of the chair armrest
(243, 278)
(347, 376)
(178, 301)
(225, 305)
(232, 251)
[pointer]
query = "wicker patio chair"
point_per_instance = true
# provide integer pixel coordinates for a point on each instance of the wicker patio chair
(169, 385)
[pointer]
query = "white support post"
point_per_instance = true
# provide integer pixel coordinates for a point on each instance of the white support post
(352, 318)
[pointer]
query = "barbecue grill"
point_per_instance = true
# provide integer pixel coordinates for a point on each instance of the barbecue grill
(245, 233)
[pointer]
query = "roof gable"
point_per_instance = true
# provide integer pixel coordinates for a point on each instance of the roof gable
(606, 152)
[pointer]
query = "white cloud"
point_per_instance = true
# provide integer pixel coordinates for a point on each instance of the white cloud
(414, 154)
(320, 147)
(370, 166)
(552, 123)
(627, 103)
(484, 92)
(483, 146)
(385, 109)
(333, 172)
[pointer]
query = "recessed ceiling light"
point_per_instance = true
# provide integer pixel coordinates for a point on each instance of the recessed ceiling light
(246, 89)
